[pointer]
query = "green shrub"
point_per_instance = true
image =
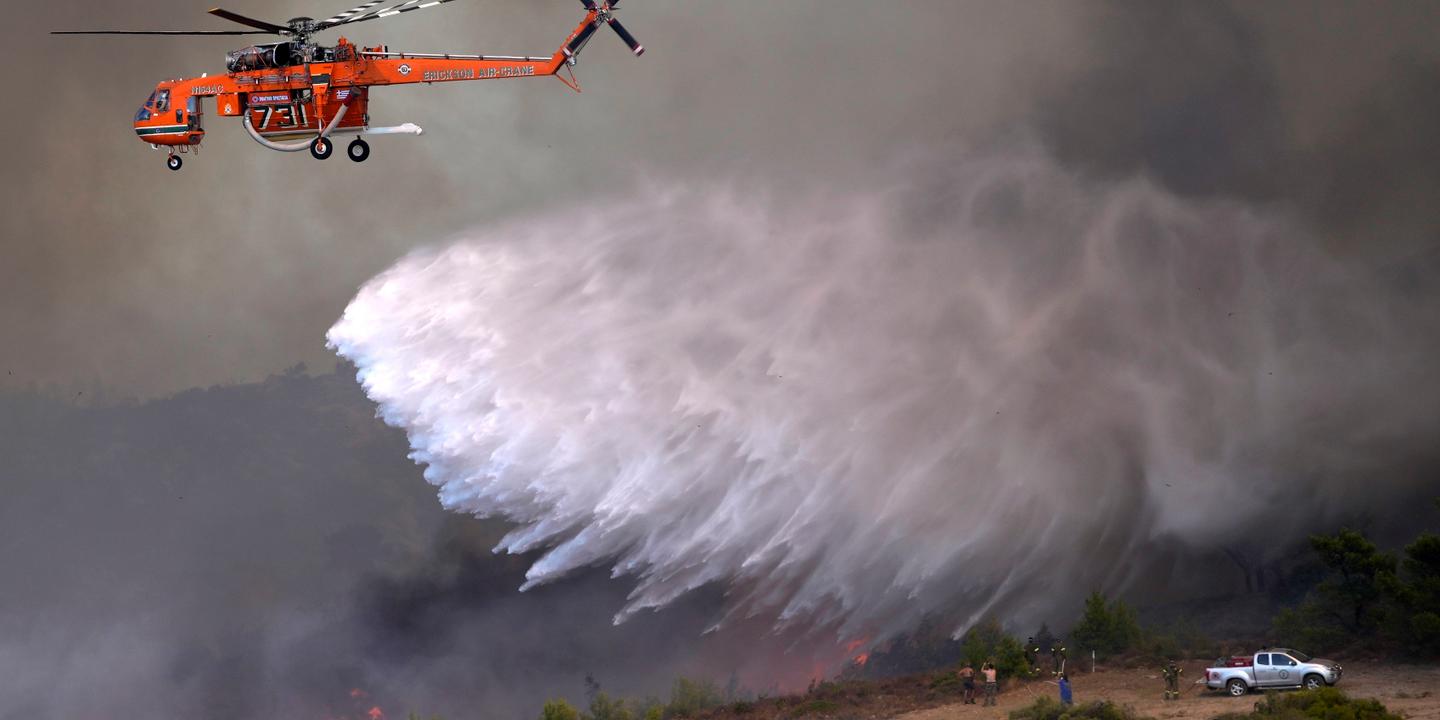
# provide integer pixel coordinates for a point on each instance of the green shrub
(1048, 708)
(946, 681)
(1321, 704)
(602, 707)
(816, 707)
(559, 710)
(987, 642)
(689, 698)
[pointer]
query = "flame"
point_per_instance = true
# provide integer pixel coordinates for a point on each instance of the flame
(359, 699)
(851, 647)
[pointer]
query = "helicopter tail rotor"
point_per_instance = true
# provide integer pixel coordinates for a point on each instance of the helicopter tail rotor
(605, 14)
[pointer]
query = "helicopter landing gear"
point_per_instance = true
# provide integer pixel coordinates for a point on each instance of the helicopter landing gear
(174, 162)
(321, 148)
(359, 150)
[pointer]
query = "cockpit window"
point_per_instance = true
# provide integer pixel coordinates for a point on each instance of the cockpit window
(143, 115)
(151, 101)
(162, 100)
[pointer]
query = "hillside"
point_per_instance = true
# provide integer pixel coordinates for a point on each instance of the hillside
(1413, 690)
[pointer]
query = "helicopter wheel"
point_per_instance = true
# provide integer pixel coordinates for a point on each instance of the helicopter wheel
(174, 162)
(359, 150)
(321, 148)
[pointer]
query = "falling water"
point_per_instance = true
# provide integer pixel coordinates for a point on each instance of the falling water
(963, 381)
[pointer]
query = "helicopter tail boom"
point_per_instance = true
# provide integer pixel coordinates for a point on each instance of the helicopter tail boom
(398, 68)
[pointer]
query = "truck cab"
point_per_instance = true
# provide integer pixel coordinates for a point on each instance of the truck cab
(1271, 668)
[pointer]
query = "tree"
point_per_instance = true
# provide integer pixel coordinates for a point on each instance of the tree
(1357, 572)
(1416, 592)
(1361, 592)
(1106, 628)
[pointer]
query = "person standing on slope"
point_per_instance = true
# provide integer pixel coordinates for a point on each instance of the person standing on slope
(991, 682)
(967, 679)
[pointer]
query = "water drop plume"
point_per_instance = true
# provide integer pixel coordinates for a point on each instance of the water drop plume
(961, 383)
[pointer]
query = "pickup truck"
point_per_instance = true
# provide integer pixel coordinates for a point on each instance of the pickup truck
(1272, 668)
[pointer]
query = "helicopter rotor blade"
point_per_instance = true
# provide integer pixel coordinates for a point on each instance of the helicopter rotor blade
(252, 22)
(625, 35)
(391, 11)
(589, 4)
(160, 32)
(344, 17)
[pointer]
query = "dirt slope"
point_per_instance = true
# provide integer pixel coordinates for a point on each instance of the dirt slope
(1413, 690)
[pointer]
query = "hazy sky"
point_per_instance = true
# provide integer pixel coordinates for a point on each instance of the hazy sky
(115, 270)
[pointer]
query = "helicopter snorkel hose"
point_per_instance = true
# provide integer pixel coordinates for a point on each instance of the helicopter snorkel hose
(296, 146)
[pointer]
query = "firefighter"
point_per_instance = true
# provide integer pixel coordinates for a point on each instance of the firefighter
(1172, 680)
(1032, 655)
(1057, 657)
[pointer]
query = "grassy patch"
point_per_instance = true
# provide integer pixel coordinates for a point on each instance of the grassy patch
(1321, 704)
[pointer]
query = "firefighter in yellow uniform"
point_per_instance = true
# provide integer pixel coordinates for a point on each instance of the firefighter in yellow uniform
(1172, 680)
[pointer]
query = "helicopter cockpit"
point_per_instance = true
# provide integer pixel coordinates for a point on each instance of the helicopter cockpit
(170, 118)
(158, 102)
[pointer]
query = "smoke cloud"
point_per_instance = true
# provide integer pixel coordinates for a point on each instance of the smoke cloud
(968, 379)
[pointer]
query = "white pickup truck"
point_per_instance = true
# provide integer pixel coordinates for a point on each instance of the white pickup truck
(1272, 668)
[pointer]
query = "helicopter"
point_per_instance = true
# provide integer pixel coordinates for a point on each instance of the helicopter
(296, 94)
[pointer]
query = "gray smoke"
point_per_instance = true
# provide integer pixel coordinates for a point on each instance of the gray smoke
(972, 377)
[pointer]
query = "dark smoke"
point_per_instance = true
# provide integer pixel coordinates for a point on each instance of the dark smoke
(262, 550)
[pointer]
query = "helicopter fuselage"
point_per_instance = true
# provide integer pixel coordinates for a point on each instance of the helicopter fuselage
(302, 98)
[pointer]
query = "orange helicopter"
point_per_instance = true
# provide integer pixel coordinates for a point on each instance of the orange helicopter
(296, 95)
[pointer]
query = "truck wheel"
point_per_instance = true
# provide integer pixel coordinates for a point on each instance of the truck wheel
(1314, 682)
(1236, 687)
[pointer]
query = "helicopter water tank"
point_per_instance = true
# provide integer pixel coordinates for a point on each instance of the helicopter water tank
(260, 57)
